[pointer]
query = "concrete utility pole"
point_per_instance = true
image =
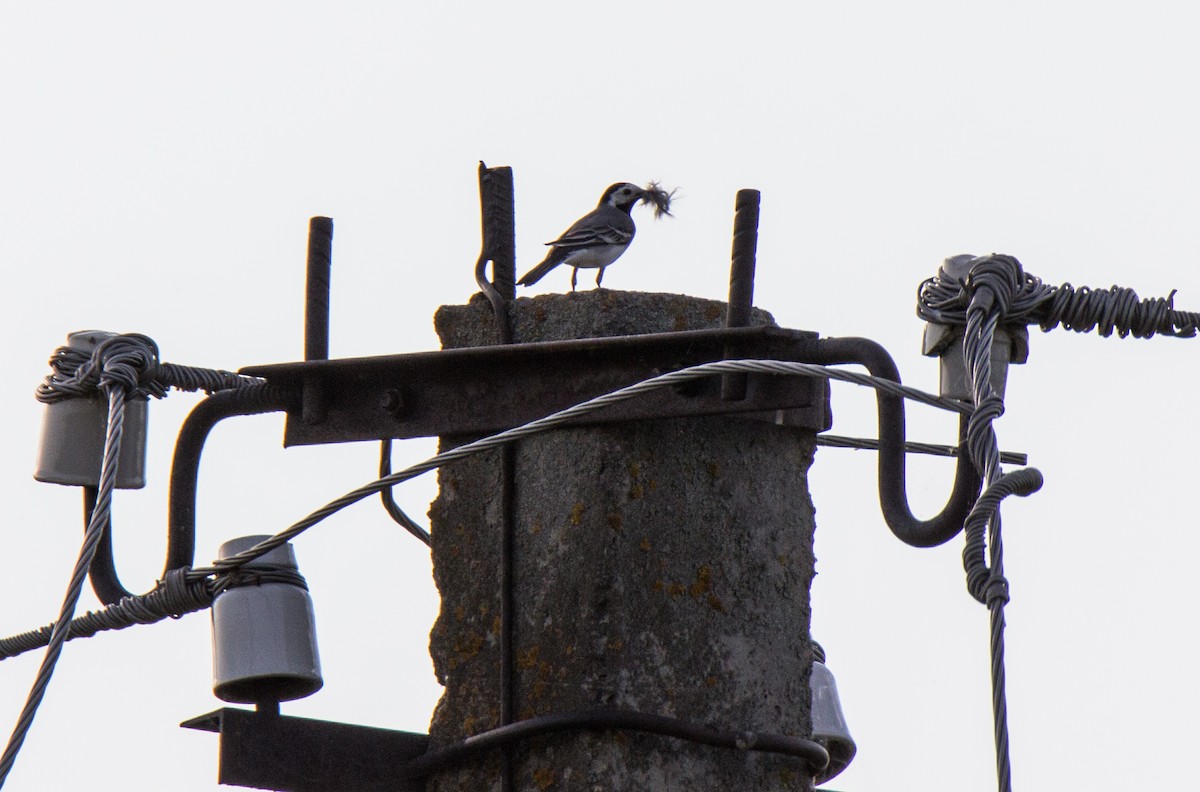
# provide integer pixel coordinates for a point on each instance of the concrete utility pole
(658, 566)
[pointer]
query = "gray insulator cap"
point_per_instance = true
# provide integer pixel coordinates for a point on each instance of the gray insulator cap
(73, 433)
(264, 634)
(1010, 343)
(829, 725)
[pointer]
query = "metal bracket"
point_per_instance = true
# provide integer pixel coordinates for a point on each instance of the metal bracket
(487, 389)
(272, 751)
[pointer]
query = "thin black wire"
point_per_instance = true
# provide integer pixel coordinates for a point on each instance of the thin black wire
(931, 449)
(810, 751)
(389, 502)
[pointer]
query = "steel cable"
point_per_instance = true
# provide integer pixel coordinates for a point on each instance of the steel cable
(118, 377)
(184, 590)
(122, 367)
(564, 417)
(998, 291)
(997, 287)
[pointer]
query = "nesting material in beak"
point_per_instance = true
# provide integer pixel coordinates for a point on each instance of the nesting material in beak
(660, 198)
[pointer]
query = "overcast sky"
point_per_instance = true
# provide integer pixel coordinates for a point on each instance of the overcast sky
(158, 167)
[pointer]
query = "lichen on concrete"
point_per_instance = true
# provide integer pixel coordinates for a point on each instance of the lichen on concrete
(661, 566)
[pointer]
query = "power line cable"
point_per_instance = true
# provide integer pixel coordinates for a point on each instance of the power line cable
(117, 378)
(185, 590)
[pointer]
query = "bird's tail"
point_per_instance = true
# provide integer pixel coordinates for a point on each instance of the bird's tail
(537, 273)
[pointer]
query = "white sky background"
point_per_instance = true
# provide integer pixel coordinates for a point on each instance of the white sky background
(157, 171)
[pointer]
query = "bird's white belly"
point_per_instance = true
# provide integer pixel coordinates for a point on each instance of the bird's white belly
(590, 258)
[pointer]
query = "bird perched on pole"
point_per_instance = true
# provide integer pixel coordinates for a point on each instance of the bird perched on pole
(600, 237)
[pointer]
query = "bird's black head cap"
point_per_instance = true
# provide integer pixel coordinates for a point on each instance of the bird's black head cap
(622, 195)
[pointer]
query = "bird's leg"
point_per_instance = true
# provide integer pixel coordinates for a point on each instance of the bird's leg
(599, 277)
(574, 273)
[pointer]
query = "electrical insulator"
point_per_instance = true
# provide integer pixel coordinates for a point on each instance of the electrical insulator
(1010, 343)
(73, 432)
(828, 722)
(264, 632)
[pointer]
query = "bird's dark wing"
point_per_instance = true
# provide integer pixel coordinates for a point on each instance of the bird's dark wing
(602, 227)
(587, 237)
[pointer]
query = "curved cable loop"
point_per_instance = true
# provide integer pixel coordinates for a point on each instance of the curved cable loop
(981, 581)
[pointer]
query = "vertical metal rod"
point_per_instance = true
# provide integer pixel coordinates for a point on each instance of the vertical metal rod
(741, 281)
(316, 311)
(316, 302)
(499, 227)
(507, 610)
(499, 246)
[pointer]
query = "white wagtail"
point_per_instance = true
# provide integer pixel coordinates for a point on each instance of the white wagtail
(599, 237)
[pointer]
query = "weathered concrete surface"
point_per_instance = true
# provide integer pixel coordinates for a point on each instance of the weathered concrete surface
(660, 566)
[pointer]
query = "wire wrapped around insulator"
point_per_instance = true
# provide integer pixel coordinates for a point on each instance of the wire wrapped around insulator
(1082, 309)
(76, 373)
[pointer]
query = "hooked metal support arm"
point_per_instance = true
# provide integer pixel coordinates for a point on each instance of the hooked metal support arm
(304, 755)
(185, 468)
(437, 383)
(893, 490)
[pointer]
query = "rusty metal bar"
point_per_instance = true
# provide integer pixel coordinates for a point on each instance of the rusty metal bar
(499, 246)
(272, 751)
(499, 227)
(316, 304)
(741, 282)
(486, 389)
(316, 309)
